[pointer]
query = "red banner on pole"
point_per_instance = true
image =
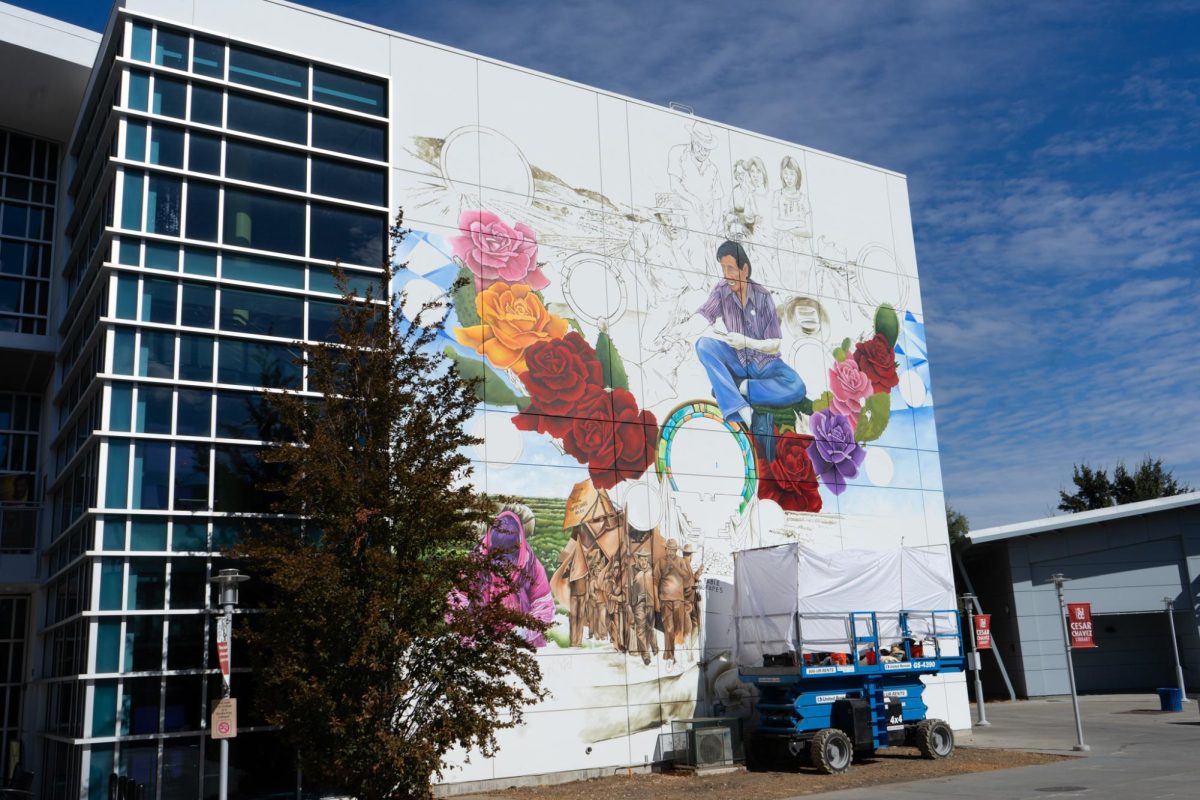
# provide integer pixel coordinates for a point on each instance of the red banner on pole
(1079, 618)
(983, 631)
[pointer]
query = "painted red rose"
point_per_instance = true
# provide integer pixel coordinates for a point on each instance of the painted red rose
(790, 479)
(877, 360)
(561, 372)
(613, 437)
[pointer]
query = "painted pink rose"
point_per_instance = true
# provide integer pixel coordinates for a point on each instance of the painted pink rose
(495, 251)
(850, 386)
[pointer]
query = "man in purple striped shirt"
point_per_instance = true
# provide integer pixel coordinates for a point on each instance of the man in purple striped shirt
(739, 349)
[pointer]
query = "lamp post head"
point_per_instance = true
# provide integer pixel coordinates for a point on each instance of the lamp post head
(227, 580)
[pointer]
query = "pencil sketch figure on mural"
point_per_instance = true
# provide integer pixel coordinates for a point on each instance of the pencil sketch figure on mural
(792, 217)
(695, 179)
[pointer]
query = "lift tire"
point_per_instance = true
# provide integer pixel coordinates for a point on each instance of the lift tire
(831, 751)
(935, 738)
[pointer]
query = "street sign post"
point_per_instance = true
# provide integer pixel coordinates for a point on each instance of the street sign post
(1058, 580)
(972, 626)
(223, 724)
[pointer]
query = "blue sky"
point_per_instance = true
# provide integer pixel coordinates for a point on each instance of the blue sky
(1054, 172)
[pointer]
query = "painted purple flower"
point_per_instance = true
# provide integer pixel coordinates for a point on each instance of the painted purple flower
(834, 453)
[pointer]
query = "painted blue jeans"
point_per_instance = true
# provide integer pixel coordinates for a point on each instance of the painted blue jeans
(772, 384)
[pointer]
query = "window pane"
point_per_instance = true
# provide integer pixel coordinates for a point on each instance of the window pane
(321, 320)
(135, 140)
(123, 352)
(148, 534)
(151, 462)
(139, 46)
(203, 199)
(157, 356)
(239, 478)
(117, 472)
(262, 117)
(112, 573)
(189, 536)
(254, 68)
(127, 292)
(195, 357)
(257, 364)
(320, 279)
(349, 181)
(194, 413)
(204, 154)
(158, 301)
(246, 416)
(166, 146)
(254, 269)
(147, 582)
(108, 646)
(171, 49)
(206, 105)
(208, 57)
(260, 312)
(185, 635)
(199, 262)
(181, 712)
(191, 476)
(121, 401)
(104, 709)
(170, 97)
(162, 256)
(154, 409)
(340, 234)
(163, 202)
(139, 90)
(263, 222)
(130, 252)
(249, 162)
(131, 201)
(345, 135)
(114, 534)
(143, 644)
(199, 305)
(349, 91)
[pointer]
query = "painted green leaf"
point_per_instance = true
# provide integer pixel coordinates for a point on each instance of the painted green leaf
(873, 419)
(847, 344)
(574, 324)
(611, 363)
(887, 323)
(840, 354)
(464, 299)
(490, 388)
(822, 402)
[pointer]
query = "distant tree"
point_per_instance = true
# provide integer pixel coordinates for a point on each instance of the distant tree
(390, 640)
(958, 525)
(1094, 489)
(1147, 482)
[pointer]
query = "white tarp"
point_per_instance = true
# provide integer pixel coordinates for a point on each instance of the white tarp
(772, 585)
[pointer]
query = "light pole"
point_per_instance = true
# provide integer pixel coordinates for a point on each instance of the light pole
(1062, 617)
(968, 603)
(227, 581)
(1175, 647)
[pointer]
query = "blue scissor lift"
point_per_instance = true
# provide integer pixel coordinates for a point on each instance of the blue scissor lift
(833, 710)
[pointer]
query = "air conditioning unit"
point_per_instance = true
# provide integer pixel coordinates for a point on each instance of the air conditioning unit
(712, 747)
(706, 742)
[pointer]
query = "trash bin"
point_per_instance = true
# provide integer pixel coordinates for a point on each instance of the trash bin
(1170, 699)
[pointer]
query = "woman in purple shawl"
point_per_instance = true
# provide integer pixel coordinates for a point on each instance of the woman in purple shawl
(530, 588)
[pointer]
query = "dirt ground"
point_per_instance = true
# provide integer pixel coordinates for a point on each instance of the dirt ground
(893, 765)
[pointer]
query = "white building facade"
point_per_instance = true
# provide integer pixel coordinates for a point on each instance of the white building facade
(695, 339)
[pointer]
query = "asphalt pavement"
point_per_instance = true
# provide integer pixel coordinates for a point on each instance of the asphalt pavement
(1137, 753)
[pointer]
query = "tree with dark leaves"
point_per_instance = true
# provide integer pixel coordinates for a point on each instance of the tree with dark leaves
(390, 641)
(1094, 489)
(958, 525)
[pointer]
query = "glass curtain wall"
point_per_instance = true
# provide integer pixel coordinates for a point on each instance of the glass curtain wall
(236, 178)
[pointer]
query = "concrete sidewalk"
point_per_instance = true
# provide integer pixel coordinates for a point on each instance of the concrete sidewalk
(1137, 753)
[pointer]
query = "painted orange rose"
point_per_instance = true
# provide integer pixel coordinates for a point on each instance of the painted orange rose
(513, 318)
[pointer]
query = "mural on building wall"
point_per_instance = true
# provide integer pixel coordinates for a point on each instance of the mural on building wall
(664, 384)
